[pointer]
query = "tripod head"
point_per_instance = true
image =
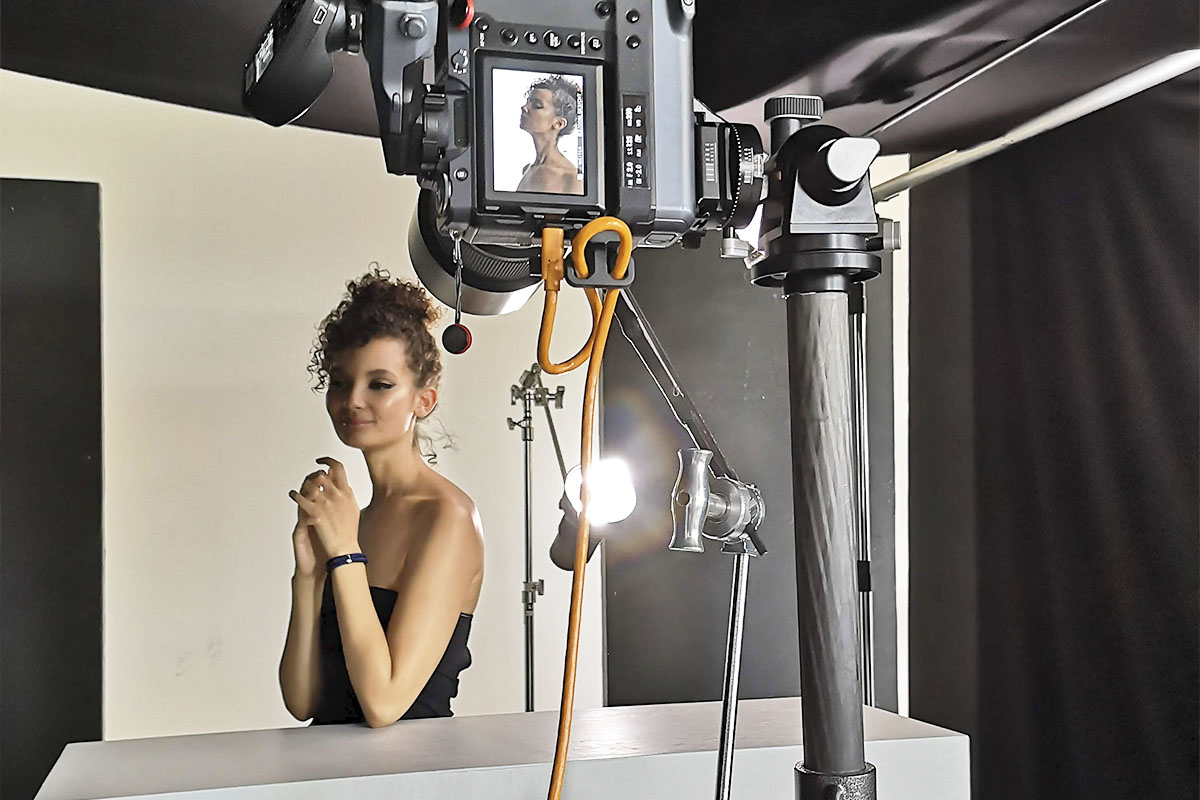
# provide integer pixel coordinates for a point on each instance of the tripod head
(819, 227)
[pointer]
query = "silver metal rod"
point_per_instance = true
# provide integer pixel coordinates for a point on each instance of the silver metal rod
(733, 669)
(826, 570)
(636, 328)
(862, 480)
(1137, 81)
(527, 593)
(637, 331)
(975, 73)
(562, 465)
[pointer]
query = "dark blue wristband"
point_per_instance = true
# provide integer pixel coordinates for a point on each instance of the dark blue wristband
(349, 558)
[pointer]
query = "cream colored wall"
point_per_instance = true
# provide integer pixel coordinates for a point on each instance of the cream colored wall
(224, 242)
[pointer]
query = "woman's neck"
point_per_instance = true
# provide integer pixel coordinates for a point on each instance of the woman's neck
(546, 146)
(397, 469)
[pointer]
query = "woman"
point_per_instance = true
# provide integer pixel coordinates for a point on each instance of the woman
(383, 639)
(550, 113)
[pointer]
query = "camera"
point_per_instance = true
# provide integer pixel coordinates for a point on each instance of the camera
(518, 114)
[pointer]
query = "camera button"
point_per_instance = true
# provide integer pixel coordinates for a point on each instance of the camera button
(633, 15)
(553, 40)
(531, 37)
(634, 42)
(508, 35)
(595, 43)
(574, 42)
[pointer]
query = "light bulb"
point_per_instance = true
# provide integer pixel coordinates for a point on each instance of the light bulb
(610, 485)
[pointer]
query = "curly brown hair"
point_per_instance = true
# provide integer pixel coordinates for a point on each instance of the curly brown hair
(376, 305)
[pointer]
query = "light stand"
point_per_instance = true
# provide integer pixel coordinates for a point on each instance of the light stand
(708, 501)
(530, 391)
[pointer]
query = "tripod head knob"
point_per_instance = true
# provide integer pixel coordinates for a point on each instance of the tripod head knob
(789, 113)
(807, 108)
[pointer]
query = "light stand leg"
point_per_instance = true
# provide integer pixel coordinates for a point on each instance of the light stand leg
(733, 668)
(826, 566)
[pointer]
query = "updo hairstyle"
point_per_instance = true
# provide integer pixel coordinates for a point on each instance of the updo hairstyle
(378, 305)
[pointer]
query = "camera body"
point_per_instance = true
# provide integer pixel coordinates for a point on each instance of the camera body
(517, 114)
(632, 142)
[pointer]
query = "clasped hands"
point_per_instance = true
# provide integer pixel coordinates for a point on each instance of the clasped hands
(328, 507)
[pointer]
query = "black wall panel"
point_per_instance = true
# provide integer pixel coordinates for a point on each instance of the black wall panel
(51, 549)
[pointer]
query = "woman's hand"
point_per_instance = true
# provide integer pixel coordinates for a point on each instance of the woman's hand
(327, 501)
(310, 559)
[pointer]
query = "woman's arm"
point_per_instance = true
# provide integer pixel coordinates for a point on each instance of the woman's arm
(300, 666)
(389, 669)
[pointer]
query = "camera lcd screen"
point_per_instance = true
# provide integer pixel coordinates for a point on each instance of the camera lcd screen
(538, 132)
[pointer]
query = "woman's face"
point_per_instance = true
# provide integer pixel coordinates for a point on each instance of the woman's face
(372, 397)
(538, 116)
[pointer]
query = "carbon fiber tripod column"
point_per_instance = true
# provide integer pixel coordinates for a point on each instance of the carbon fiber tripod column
(818, 237)
(826, 560)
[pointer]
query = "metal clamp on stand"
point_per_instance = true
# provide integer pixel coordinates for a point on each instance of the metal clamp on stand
(723, 509)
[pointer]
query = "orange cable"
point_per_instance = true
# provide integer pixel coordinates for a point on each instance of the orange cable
(593, 350)
(552, 273)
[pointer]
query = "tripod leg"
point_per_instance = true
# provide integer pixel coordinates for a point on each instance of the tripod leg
(826, 563)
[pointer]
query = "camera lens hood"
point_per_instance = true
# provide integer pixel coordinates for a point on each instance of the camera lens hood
(496, 280)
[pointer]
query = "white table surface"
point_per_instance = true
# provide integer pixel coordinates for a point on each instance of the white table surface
(662, 751)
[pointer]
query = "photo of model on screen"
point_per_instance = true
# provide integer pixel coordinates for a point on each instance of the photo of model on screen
(551, 112)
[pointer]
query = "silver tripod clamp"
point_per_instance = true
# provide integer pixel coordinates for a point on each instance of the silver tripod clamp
(722, 509)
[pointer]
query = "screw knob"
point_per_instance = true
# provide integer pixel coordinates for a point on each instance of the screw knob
(796, 106)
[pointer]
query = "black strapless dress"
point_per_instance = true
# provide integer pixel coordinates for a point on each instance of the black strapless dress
(339, 705)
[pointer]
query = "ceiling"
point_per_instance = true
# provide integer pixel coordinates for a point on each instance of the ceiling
(869, 58)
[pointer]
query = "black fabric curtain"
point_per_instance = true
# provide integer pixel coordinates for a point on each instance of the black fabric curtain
(1086, 278)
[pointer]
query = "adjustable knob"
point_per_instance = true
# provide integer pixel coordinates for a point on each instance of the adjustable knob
(807, 108)
(789, 113)
(833, 167)
(689, 501)
(849, 159)
(413, 26)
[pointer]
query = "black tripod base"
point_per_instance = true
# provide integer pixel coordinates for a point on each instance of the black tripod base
(817, 786)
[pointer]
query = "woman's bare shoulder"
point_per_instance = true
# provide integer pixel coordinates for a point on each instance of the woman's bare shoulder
(448, 503)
